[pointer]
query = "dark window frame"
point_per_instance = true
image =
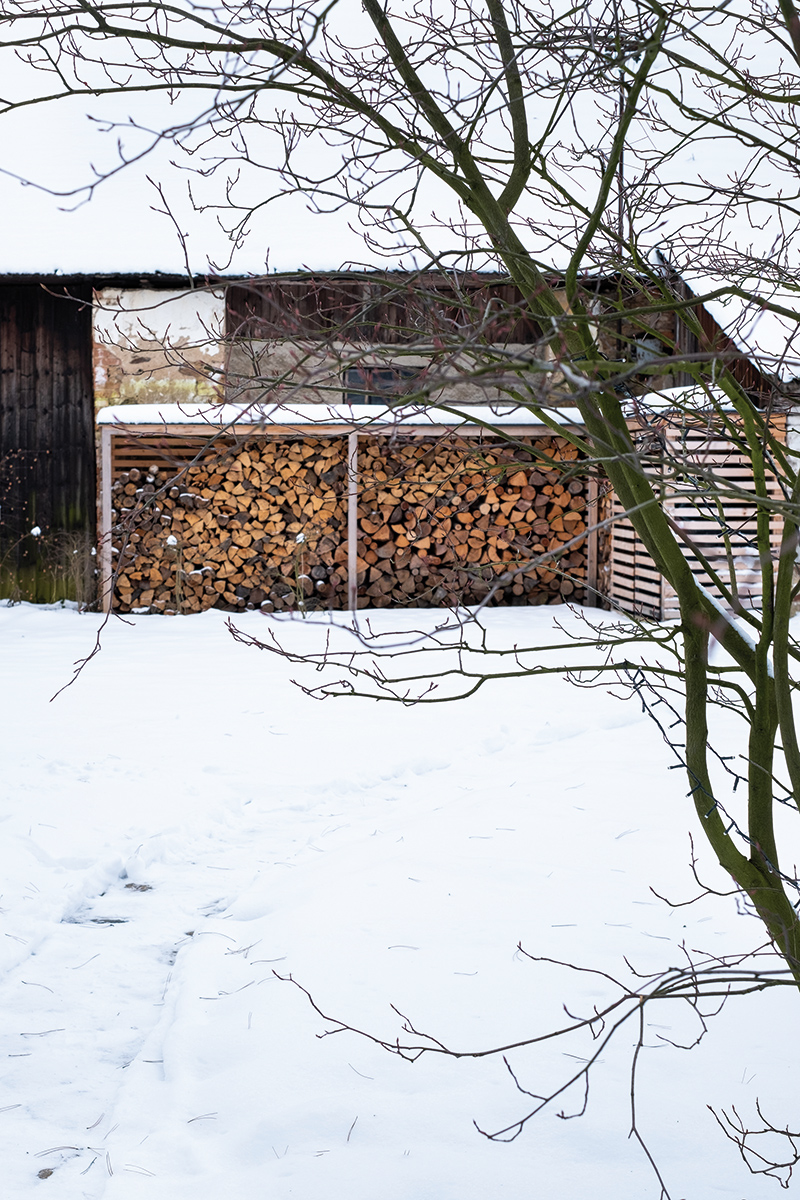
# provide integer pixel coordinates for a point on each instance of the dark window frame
(377, 384)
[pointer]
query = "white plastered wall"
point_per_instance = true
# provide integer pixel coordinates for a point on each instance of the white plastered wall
(152, 346)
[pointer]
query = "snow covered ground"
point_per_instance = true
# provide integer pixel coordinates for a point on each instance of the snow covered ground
(184, 822)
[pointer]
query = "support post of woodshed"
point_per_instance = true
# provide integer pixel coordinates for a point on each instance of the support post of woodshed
(352, 521)
(592, 516)
(104, 548)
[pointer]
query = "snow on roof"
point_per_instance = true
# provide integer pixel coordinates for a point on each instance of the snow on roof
(694, 397)
(358, 415)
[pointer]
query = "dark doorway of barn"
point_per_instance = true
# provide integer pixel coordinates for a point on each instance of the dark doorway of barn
(47, 458)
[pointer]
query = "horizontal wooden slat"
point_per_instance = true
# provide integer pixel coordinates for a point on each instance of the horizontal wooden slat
(716, 535)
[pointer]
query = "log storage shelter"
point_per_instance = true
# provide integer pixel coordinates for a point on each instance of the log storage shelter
(335, 507)
(248, 457)
(311, 494)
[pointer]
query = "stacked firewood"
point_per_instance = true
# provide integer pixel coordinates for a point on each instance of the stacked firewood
(264, 525)
(256, 527)
(441, 523)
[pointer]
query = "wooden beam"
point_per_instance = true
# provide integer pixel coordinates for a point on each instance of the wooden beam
(592, 599)
(352, 521)
(242, 430)
(104, 548)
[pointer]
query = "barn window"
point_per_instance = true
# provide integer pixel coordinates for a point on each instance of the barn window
(376, 385)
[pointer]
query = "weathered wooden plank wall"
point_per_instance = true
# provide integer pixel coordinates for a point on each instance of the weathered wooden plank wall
(47, 458)
(380, 309)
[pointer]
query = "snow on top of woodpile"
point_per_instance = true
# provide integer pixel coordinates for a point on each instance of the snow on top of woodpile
(360, 415)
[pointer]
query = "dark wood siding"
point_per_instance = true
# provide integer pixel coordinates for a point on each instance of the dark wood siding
(47, 460)
(715, 341)
(402, 309)
(383, 310)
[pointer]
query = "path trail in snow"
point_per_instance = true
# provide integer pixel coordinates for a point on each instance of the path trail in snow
(183, 823)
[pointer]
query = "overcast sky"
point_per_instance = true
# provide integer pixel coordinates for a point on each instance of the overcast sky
(120, 229)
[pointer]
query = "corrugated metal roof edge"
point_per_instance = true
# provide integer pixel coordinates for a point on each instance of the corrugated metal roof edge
(99, 279)
(171, 280)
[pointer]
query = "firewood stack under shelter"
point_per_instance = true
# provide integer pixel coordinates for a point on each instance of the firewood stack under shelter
(438, 522)
(313, 518)
(255, 524)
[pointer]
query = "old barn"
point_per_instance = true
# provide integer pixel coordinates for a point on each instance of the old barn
(338, 512)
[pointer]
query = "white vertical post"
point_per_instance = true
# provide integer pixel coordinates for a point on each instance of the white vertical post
(352, 521)
(592, 600)
(104, 548)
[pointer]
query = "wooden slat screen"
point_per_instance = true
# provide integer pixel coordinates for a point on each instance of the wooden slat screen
(720, 528)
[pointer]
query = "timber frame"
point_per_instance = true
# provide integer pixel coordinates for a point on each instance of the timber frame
(135, 445)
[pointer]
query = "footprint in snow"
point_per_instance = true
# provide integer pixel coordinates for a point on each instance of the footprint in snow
(421, 766)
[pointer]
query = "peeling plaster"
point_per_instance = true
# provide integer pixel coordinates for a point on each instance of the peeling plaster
(151, 346)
